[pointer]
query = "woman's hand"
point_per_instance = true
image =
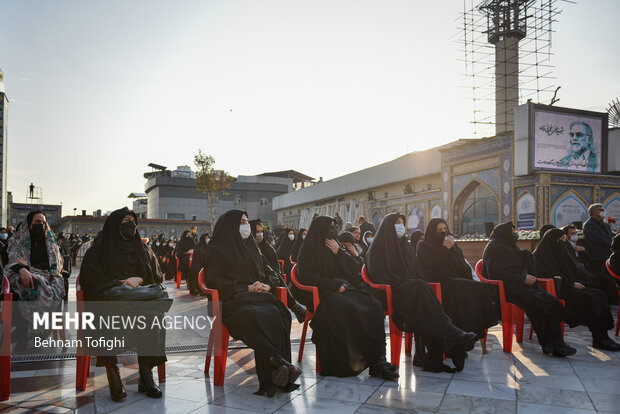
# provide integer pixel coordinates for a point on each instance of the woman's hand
(529, 280)
(27, 278)
(132, 282)
(352, 249)
(578, 285)
(258, 287)
(332, 245)
(190, 251)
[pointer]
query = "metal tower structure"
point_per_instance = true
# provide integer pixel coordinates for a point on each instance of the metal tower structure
(507, 55)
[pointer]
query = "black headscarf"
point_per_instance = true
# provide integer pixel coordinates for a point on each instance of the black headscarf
(435, 265)
(38, 249)
(551, 257)
(286, 245)
(112, 258)
(240, 258)
(185, 244)
(297, 244)
(390, 259)
(544, 229)
(265, 247)
(316, 263)
(415, 237)
(200, 252)
(346, 237)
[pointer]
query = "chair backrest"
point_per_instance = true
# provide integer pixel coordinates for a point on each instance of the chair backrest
(479, 271)
(313, 289)
(611, 272)
(5, 285)
(290, 259)
(191, 258)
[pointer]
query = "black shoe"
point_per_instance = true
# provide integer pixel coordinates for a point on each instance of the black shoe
(382, 369)
(147, 384)
(467, 339)
(117, 391)
(285, 372)
(300, 312)
(606, 344)
(547, 349)
(563, 350)
(392, 367)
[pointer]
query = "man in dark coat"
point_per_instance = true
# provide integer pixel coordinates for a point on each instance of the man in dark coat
(598, 238)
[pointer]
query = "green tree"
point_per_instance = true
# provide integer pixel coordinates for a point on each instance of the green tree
(211, 182)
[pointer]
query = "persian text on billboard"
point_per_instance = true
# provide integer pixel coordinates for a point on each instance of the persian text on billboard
(567, 142)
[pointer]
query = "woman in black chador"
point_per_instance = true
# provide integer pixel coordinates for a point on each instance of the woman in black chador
(348, 328)
(285, 247)
(504, 260)
(466, 301)
(269, 254)
(199, 260)
(114, 267)
(299, 239)
(250, 311)
(392, 260)
(184, 249)
(586, 306)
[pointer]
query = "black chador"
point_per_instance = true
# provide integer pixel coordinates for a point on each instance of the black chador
(504, 260)
(392, 260)
(348, 328)
(586, 306)
(466, 301)
(235, 267)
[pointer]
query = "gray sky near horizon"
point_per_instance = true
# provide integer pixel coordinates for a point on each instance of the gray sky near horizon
(98, 90)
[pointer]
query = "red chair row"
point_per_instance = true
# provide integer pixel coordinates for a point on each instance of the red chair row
(511, 313)
(219, 337)
(5, 347)
(617, 277)
(309, 315)
(396, 335)
(83, 361)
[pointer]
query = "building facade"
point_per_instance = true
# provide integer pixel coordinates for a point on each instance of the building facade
(89, 225)
(474, 184)
(173, 196)
(4, 112)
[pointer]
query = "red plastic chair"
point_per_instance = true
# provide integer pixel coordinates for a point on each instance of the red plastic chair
(219, 337)
(309, 315)
(396, 335)
(5, 347)
(511, 312)
(617, 277)
(83, 361)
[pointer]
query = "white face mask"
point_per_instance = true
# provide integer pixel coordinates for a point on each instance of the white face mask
(259, 237)
(291, 237)
(369, 240)
(303, 236)
(400, 230)
(207, 241)
(245, 231)
(574, 238)
(602, 214)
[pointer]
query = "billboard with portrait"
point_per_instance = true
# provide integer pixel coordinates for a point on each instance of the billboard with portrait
(567, 142)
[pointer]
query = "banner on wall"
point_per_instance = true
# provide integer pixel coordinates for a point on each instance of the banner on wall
(415, 221)
(612, 209)
(526, 212)
(568, 210)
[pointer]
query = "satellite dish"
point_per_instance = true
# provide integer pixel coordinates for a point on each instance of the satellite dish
(614, 114)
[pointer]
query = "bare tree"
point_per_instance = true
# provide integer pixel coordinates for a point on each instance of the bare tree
(210, 181)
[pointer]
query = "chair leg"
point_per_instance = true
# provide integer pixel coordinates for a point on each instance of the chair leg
(302, 343)
(220, 358)
(161, 372)
(5, 377)
(396, 339)
(507, 326)
(210, 346)
(617, 323)
(520, 317)
(83, 364)
(318, 364)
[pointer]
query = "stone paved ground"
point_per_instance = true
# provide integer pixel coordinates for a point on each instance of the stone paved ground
(525, 381)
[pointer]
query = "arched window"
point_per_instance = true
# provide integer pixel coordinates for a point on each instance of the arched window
(478, 208)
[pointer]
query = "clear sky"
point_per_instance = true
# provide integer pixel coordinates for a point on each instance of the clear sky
(98, 89)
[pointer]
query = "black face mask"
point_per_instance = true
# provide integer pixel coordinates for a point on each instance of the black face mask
(333, 233)
(515, 236)
(128, 229)
(441, 235)
(37, 231)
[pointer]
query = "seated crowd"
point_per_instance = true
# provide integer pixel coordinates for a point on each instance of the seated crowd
(244, 264)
